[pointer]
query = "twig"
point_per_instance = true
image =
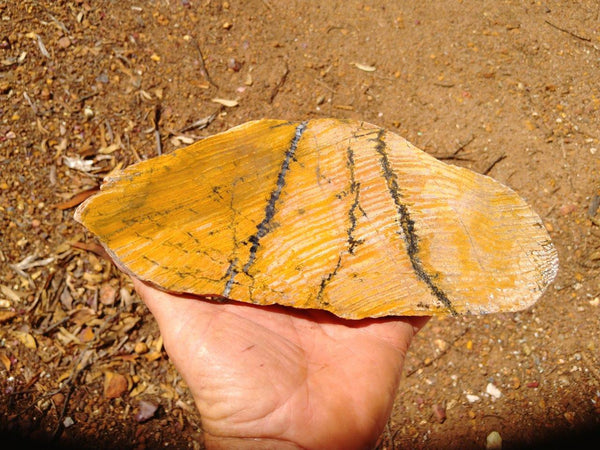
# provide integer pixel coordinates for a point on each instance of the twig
(33, 107)
(38, 295)
(132, 148)
(156, 132)
(496, 161)
(42, 47)
(203, 66)
(583, 38)
(325, 85)
(278, 86)
(594, 205)
(49, 328)
(59, 24)
(461, 147)
(83, 359)
(200, 124)
(452, 158)
(158, 143)
(85, 97)
(444, 85)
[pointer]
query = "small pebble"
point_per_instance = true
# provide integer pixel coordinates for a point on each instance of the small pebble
(493, 441)
(68, 421)
(146, 411)
(45, 93)
(115, 385)
(473, 398)
(108, 294)
(439, 412)
(441, 344)
(58, 399)
(493, 391)
(64, 42)
(234, 64)
(567, 209)
(102, 78)
(140, 348)
(516, 383)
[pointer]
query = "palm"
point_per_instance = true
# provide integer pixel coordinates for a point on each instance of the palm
(292, 378)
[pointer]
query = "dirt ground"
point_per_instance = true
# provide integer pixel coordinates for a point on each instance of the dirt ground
(507, 88)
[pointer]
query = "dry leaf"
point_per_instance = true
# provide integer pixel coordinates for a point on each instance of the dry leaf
(63, 376)
(168, 392)
(116, 170)
(86, 334)
(77, 199)
(26, 339)
(152, 356)
(31, 261)
(138, 389)
(77, 163)
(5, 316)
(83, 316)
(225, 102)
(365, 67)
(92, 247)
(5, 361)
(66, 337)
(10, 294)
(109, 149)
(108, 294)
(157, 344)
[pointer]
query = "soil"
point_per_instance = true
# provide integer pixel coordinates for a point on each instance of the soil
(511, 89)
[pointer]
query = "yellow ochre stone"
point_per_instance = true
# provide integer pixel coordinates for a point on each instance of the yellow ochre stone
(330, 214)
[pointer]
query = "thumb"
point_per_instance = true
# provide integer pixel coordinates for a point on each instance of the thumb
(168, 310)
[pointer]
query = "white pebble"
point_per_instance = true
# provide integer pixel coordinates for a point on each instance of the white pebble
(493, 441)
(493, 391)
(67, 422)
(473, 398)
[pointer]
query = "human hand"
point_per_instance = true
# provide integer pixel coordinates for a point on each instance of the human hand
(275, 377)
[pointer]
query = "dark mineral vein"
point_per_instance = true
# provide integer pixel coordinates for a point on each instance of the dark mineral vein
(407, 225)
(263, 228)
(352, 241)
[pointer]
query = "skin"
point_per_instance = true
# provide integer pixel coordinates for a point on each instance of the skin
(275, 377)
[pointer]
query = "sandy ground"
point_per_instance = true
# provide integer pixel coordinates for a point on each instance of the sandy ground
(506, 88)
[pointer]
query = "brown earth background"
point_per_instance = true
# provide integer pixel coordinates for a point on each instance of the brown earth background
(507, 88)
